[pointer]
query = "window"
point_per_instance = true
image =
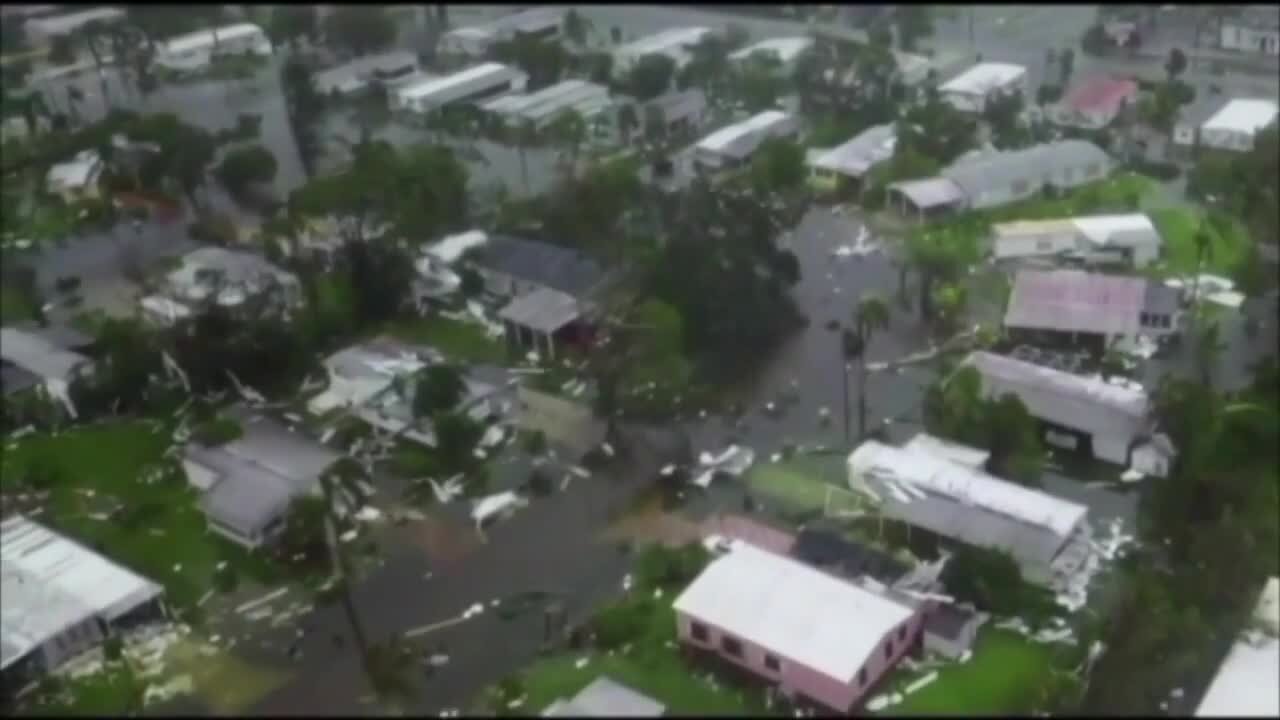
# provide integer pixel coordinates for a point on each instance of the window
(1165, 321)
(888, 649)
(771, 662)
(731, 646)
(699, 632)
(862, 677)
(1145, 319)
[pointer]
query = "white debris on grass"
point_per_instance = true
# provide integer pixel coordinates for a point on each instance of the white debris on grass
(1131, 475)
(965, 657)
(876, 704)
(921, 683)
(657, 593)
(204, 598)
(581, 663)
(369, 514)
(474, 610)
(180, 685)
(580, 471)
(349, 535)
(516, 703)
(246, 607)
(328, 433)
(492, 436)
(626, 583)
(1062, 635)
(445, 493)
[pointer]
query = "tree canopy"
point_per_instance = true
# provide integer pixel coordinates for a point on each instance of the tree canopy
(245, 167)
(649, 77)
(360, 29)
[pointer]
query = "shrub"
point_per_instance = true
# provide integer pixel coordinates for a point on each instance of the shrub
(535, 443)
(67, 283)
(874, 198)
(660, 566)
(218, 431)
(226, 579)
(113, 647)
(1163, 171)
(622, 623)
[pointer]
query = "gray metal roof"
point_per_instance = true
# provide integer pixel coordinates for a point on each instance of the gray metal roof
(930, 192)
(605, 697)
(990, 171)
(362, 69)
(1072, 401)
(870, 147)
(369, 359)
(259, 473)
(1030, 545)
(544, 310)
(38, 355)
(679, 105)
(542, 263)
(14, 379)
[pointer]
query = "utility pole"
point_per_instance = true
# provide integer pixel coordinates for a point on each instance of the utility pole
(972, 45)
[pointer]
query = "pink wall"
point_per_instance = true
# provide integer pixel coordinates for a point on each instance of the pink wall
(796, 678)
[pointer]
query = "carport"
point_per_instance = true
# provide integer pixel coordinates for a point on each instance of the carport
(931, 196)
(533, 319)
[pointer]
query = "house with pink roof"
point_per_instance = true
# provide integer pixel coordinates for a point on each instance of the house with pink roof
(818, 638)
(1094, 103)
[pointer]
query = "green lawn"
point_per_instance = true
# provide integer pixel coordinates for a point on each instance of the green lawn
(651, 667)
(460, 341)
(801, 483)
(1115, 194)
(160, 531)
(15, 306)
(1005, 676)
(1178, 227)
(223, 682)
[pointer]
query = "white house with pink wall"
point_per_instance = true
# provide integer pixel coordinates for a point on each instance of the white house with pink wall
(818, 638)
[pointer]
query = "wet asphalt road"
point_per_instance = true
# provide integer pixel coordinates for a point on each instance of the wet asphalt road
(548, 546)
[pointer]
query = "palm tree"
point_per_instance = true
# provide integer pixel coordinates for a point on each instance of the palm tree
(576, 28)
(570, 130)
(526, 135)
(1208, 349)
(870, 315)
(628, 121)
(1204, 252)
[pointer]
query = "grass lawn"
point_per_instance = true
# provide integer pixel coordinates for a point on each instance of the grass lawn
(460, 341)
(1005, 676)
(800, 483)
(653, 667)
(1178, 227)
(160, 531)
(15, 306)
(223, 682)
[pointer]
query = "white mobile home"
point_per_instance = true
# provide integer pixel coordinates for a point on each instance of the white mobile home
(1235, 125)
(390, 69)
(674, 43)
(731, 146)
(971, 90)
(1256, 29)
(850, 162)
(1130, 239)
(41, 30)
(194, 51)
(785, 51)
(543, 107)
(61, 599)
(475, 40)
(1046, 535)
(468, 86)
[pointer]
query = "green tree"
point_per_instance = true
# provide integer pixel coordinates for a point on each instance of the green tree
(570, 130)
(303, 105)
(870, 316)
(245, 167)
(576, 27)
(1176, 64)
(544, 61)
(456, 438)
(1004, 115)
(439, 388)
(778, 165)
(292, 23)
(914, 22)
(359, 29)
(650, 77)
(935, 130)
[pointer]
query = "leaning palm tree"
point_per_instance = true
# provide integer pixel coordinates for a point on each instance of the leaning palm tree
(870, 315)
(1208, 350)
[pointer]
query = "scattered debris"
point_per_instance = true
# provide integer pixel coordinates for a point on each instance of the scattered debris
(1131, 475)
(497, 504)
(369, 514)
(349, 535)
(581, 663)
